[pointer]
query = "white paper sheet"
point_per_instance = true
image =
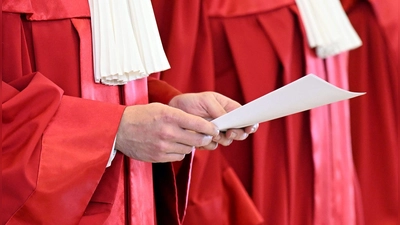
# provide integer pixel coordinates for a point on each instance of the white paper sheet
(303, 94)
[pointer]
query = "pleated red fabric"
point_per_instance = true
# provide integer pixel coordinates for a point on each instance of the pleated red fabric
(280, 165)
(375, 118)
(58, 128)
(298, 169)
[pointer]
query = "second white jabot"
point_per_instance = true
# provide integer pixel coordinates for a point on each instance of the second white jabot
(328, 27)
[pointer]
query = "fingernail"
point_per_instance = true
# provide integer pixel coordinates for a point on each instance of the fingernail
(254, 128)
(216, 131)
(233, 135)
(207, 139)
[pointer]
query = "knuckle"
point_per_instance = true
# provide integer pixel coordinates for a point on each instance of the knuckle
(167, 116)
(217, 138)
(166, 134)
(160, 147)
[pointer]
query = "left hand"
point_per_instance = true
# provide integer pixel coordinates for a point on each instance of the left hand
(210, 105)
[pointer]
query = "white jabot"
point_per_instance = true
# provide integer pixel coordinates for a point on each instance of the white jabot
(126, 42)
(328, 27)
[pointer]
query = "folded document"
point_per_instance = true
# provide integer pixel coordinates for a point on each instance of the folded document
(303, 94)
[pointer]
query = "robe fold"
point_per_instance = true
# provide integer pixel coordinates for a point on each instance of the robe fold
(375, 119)
(298, 169)
(58, 128)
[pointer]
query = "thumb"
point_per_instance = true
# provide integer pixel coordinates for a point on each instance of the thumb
(220, 105)
(215, 109)
(197, 124)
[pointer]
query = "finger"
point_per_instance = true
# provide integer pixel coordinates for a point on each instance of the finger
(178, 148)
(171, 157)
(197, 124)
(174, 152)
(219, 105)
(168, 154)
(214, 108)
(252, 129)
(222, 139)
(212, 146)
(191, 138)
(236, 134)
(227, 103)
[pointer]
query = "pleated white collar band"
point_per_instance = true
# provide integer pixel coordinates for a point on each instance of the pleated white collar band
(126, 42)
(328, 27)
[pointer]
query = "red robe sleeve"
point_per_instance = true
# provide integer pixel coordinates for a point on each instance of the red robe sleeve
(46, 137)
(159, 90)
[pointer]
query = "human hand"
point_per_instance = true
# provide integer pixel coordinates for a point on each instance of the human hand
(211, 105)
(160, 133)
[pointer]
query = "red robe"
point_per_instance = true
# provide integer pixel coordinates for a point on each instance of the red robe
(375, 118)
(58, 128)
(297, 169)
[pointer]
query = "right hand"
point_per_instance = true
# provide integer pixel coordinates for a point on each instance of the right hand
(160, 133)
